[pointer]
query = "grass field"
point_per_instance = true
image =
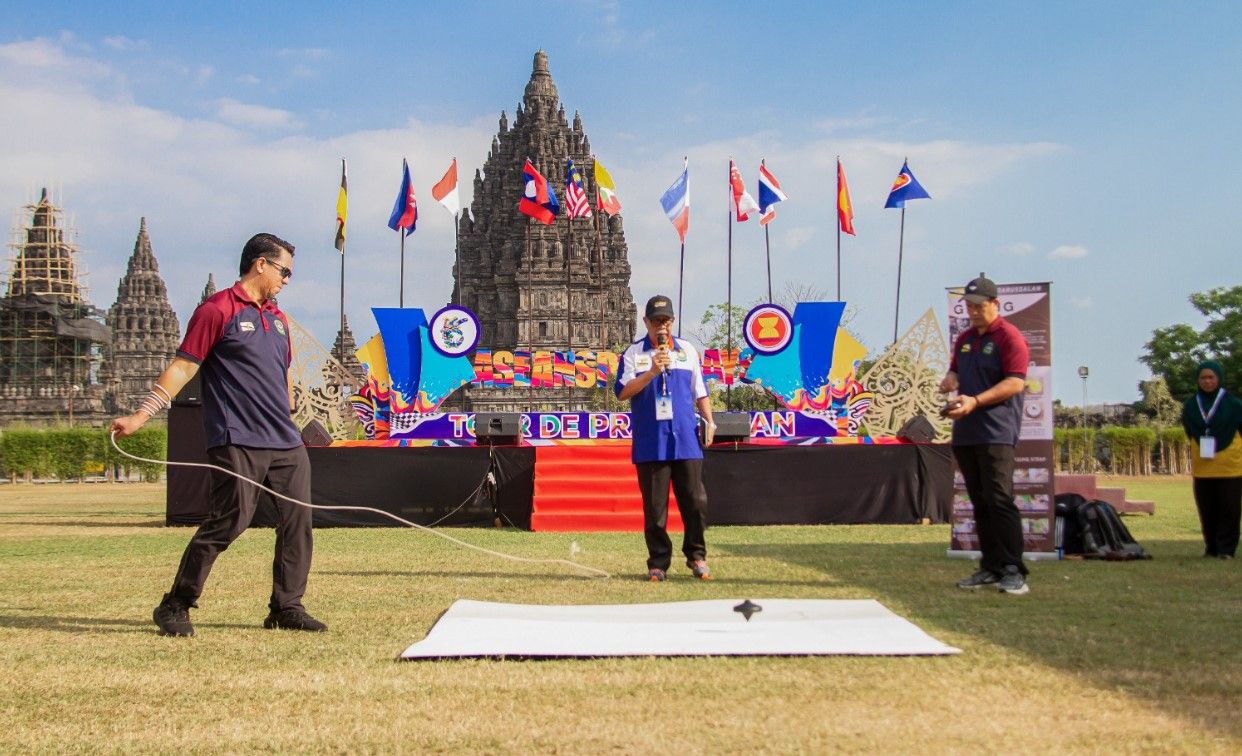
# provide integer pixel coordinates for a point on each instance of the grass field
(1099, 657)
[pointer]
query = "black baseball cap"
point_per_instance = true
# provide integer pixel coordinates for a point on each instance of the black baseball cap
(980, 290)
(660, 306)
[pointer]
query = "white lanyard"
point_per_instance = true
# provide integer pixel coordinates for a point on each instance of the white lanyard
(1207, 415)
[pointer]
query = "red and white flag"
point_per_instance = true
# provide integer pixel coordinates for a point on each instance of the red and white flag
(576, 203)
(445, 191)
(743, 203)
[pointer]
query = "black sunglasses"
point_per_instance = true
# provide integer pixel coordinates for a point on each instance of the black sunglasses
(284, 272)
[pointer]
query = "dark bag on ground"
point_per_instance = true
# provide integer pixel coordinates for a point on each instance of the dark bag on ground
(1093, 529)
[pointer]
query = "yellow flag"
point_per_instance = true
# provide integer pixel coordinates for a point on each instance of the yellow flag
(606, 191)
(342, 205)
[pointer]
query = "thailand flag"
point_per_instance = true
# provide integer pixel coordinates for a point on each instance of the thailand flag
(769, 194)
(676, 203)
(538, 200)
(405, 210)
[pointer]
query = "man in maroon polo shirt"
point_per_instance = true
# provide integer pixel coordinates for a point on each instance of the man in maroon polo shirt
(240, 342)
(988, 370)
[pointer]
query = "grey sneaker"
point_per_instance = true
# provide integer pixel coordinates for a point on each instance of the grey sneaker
(173, 619)
(294, 619)
(700, 569)
(656, 575)
(979, 579)
(1013, 582)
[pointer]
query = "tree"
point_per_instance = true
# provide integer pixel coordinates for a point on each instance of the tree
(1175, 351)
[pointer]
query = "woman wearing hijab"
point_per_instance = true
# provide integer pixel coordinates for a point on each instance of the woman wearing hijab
(1213, 419)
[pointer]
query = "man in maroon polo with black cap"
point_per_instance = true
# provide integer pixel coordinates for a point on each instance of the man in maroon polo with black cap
(240, 342)
(988, 372)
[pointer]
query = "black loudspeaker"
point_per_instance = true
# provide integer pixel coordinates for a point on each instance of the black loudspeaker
(192, 392)
(917, 429)
(491, 428)
(314, 434)
(732, 427)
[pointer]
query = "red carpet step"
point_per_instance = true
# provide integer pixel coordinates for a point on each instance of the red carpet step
(589, 488)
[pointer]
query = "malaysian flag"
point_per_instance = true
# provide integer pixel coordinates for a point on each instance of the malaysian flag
(576, 204)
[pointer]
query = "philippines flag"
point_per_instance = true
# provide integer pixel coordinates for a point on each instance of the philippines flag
(743, 203)
(576, 203)
(769, 194)
(676, 203)
(905, 187)
(538, 201)
(405, 210)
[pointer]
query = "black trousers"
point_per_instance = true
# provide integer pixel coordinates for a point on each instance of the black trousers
(233, 504)
(988, 472)
(1220, 507)
(686, 476)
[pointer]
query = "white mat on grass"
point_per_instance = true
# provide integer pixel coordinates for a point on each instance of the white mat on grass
(785, 627)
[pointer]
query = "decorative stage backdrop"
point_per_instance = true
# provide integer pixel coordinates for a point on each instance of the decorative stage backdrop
(1027, 307)
(806, 360)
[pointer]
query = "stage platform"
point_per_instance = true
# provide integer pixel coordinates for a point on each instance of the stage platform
(590, 486)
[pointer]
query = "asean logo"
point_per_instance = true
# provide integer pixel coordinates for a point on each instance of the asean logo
(768, 329)
(454, 330)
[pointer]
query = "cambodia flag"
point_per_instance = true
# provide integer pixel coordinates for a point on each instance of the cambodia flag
(769, 194)
(905, 187)
(676, 204)
(538, 201)
(405, 210)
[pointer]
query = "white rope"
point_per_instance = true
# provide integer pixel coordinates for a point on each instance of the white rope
(342, 508)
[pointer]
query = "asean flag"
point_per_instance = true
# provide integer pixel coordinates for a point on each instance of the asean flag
(905, 187)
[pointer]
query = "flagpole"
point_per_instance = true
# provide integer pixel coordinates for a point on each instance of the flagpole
(599, 255)
(901, 239)
(838, 228)
(530, 324)
(729, 292)
(401, 285)
(569, 299)
(681, 278)
(767, 247)
(341, 351)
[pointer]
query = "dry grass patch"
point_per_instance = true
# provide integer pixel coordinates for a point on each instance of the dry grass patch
(1100, 656)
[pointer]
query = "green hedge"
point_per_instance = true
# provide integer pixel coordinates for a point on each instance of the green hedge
(73, 453)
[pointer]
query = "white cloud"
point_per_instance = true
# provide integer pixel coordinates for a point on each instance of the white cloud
(797, 237)
(305, 53)
(44, 54)
(240, 114)
(1082, 303)
(249, 79)
(1068, 252)
(123, 43)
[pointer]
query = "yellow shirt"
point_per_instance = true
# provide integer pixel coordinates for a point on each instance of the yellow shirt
(1226, 464)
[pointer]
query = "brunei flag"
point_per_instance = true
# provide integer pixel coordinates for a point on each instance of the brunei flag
(342, 205)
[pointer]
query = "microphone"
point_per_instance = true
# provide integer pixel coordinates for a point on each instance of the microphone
(663, 342)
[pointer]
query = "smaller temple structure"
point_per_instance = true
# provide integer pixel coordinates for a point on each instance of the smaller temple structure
(145, 330)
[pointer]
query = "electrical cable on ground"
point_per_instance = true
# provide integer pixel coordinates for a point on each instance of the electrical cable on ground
(346, 508)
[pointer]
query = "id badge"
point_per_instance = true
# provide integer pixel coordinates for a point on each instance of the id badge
(1207, 447)
(664, 408)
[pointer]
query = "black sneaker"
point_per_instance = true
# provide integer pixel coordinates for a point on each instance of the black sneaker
(294, 619)
(979, 579)
(1013, 582)
(173, 618)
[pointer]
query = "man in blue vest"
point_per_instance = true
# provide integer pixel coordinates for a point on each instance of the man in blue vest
(240, 342)
(988, 370)
(662, 378)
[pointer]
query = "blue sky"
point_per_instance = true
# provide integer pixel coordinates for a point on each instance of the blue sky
(1082, 144)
